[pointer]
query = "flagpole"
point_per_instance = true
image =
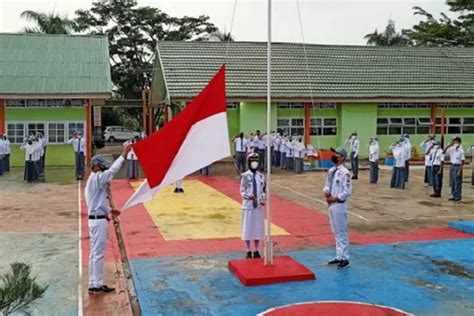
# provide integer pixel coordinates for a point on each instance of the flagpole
(268, 242)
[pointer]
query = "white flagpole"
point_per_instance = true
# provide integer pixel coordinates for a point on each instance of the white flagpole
(268, 242)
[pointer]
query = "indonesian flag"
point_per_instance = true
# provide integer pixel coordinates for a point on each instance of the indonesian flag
(195, 138)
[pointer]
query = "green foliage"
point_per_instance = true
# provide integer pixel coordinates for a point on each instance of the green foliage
(18, 289)
(445, 31)
(389, 37)
(48, 23)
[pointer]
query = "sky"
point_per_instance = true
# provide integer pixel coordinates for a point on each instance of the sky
(323, 21)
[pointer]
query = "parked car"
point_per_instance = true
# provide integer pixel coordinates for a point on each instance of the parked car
(119, 133)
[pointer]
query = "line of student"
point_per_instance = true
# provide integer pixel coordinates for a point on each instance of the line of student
(5, 152)
(35, 154)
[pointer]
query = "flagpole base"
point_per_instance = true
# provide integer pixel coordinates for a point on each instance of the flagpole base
(253, 272)
(268, 252)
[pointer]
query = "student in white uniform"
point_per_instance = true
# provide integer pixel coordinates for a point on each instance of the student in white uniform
(456, 155)
(251, 144)
(252, 190)
(283, 151)
(96, 195)
(132, 160)
(407, 155)
(398, 173)
(240, 151)
(436, 160)
(300, 152)
(354, 145)
(426, 145)
(2, 157)
(178, 186)
(7, 150)
(289, 154)
(261, 145)
(276, 150)
(38, 158)
(29, 148)
(79, 145)
(337, 191)
(374, 159)
(41, 145)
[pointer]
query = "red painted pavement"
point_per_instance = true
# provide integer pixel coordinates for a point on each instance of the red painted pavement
(334, 309)
(307, 227)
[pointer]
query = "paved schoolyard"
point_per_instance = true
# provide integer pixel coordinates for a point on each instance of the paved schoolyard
(178, 271)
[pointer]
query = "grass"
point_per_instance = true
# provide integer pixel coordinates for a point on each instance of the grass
(55, 175)
(56, 155)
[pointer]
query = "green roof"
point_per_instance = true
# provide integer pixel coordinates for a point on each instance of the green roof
(43, 64)
(335, 72)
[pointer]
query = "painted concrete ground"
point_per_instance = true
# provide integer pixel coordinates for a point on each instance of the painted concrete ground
(181, 271)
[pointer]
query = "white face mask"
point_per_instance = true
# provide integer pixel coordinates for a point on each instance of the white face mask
(254, 165)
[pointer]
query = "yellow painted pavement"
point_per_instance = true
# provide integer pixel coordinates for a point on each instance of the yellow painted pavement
(200, 213)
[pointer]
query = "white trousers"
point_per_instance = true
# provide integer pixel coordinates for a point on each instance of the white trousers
(179, 184)
(98, 230)
(338, 221)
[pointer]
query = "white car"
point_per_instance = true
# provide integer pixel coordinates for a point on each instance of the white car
(115, 133)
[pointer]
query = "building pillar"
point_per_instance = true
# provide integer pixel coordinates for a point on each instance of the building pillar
(3, 127)
(433, 118)
(307, 120)
(88, 132)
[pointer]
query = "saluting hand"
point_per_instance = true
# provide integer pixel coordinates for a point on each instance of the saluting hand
(116, 212)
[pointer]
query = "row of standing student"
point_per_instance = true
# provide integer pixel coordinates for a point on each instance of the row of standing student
(35, 155)
(5, 152)
(286, 152)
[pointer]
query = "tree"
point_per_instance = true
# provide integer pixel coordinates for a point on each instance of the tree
(445, 31)
(389, 37)
(48, 23)
(133, 34)
(219, 36)
(18, 289)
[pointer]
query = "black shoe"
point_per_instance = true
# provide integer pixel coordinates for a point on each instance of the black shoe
(93, 290)
(256, 255)
(451, 199)
(436, 195)
(457, 200)
(333, 262)
(176, 190)
(249, 255)
(105, 289)
(355, 178)
(344, 264)
(181, 191)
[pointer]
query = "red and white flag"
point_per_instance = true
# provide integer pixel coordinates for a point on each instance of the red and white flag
(195, 138)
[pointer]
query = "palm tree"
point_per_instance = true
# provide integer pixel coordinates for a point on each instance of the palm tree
(48, 23)
(389, 37)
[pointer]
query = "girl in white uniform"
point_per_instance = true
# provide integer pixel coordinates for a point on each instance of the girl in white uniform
(252, 189)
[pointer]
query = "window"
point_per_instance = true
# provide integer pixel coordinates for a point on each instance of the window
(75, 127)
(404, 105)
(45, 102)
(324, 105)
(291, 126)
(323, 126)
(233, 105)
(402, 125)
(56, 132)
(290, 105)
(16, 132)
(35, 128)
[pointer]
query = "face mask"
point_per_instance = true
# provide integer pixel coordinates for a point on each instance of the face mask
(30, 142)
(334, 159)
(254, 165)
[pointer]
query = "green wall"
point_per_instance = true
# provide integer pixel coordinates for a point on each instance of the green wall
(360, 118)
(56, 155)
(46, 114)
(253, 116)
(233, 122)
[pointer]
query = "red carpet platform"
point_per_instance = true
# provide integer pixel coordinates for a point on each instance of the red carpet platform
(252, 272)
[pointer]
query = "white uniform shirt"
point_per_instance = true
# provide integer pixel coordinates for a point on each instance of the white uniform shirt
(407, 149)
(456, 155)
(96, 190)
(7, 146)
(300, 150)
(3, 150)
(374, 152)
(29, 151)
(338, 183)
(354, 145)
(261, 145)
(246, 188)
(398, 155)
(39, 150)
(276, 142)
(426, 146)
(437, 156)
(78, 143)
(241, 144)
(311, 151)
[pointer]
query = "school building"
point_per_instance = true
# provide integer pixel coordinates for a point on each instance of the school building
(325, 92)
(48, 84)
